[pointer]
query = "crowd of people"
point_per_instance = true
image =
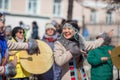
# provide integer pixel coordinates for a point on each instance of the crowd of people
(69, 50)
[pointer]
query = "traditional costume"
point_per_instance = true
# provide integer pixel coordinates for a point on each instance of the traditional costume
(67, 56)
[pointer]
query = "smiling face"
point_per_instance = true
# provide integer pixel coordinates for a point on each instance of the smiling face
(50, 31)
(20, 34)
(68, 32)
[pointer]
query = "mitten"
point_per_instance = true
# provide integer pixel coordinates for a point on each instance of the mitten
(107, 39)
(33, 47)
(74, 49)
(10, 70)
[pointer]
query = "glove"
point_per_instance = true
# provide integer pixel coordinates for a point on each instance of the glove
(10, 70)
(33, 47)
(107, 39)
(74, 49)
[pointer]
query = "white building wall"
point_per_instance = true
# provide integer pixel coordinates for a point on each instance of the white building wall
(14, 21)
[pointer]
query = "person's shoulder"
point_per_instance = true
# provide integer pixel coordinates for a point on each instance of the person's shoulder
(111, 46)
(93, 50)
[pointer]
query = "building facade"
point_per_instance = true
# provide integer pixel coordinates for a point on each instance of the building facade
(92, 13)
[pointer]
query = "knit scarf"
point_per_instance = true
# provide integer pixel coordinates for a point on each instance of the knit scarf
(75, 64)
(50, 38)
(76, 38)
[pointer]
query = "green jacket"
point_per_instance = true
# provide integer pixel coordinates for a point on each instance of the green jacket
(100, 70)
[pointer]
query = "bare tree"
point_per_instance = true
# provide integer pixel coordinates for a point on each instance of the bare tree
(112, 4)
(112, 1)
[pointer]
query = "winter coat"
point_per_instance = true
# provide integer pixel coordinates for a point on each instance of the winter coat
(21, 73)
(56, 70)
(35, 32)
(3, 50)
(12, 46)
(63, 58)
(100, 70)
(50, 40)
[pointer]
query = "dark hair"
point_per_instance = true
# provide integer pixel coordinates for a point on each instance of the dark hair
(15, 30)
(34, 23)
(1, 14)
(21, 23)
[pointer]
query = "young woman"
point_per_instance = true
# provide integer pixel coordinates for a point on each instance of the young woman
(18, 36)
(68, 51)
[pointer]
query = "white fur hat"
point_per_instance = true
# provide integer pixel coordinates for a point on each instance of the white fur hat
(49, 25)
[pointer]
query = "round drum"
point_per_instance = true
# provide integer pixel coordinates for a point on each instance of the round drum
(37, 64)
(115, 56)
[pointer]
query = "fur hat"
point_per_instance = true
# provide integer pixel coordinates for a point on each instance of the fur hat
(72, 25)
(49, 25)
(107, 39)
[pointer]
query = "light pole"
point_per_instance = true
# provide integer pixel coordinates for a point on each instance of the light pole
(70, 9)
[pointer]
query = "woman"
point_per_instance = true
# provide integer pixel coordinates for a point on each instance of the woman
(31, 46)
(35, 30)
(68, 50)
(18, 36)
(50, 37)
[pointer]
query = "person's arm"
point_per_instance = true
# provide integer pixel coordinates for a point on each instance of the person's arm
(93, 58)
(61, 56)
(9, 69)
(104, 38)
(31, 46)
(2, 70)
(17, 45)
(93, 44)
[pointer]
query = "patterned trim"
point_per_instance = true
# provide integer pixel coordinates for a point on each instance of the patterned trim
(73, 71)
(82, 70)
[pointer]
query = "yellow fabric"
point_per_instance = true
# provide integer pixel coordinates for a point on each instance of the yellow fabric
(21, 73)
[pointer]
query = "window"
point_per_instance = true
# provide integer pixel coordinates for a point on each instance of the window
(93, 17)
(32, 7)
(109, 18)
(57, 8)
(0, 4)
(4, 4)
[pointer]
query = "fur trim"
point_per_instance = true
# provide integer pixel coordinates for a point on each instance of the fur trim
(81, 42)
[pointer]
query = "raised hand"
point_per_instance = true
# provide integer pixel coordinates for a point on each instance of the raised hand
(104, 58)
(107, 37)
